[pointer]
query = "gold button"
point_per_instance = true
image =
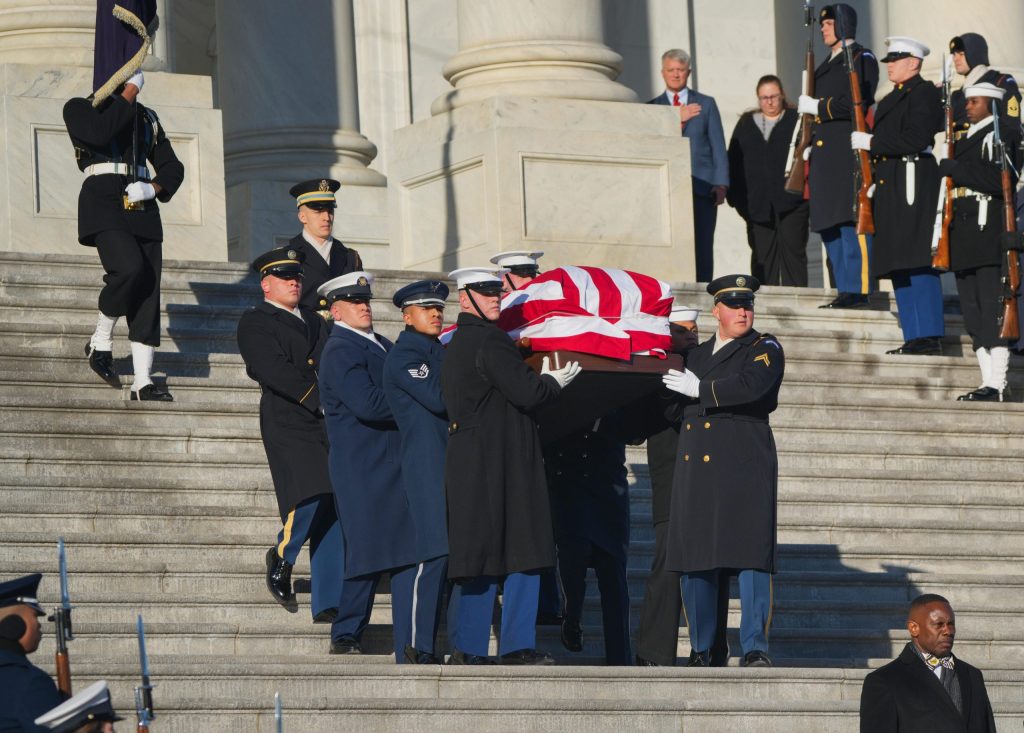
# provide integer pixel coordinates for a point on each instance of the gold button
(881, 182)
(686, 457)
(707, 425)
(820, 143)
(687, 426)
(323, 301)
(707, 458)
(311, 362)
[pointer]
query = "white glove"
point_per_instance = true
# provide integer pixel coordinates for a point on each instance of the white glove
(684, 382)
(807, 105)
(564, 375)
(860, 140)
(137, 80)
(139, 191)
(871, 191)
(807, 152)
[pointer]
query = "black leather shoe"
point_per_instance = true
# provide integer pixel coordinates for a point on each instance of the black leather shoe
(458, 657)
(527, 656)
(983, 394)
(929, 346)
(719, 656)
(855, 301)
(572, 636)
(279, 581)
(102, 362)
(699, 659)
(415, 656)
(346, 645)
(641, 662)
(756, 658)
(326, 616)
(152, 393)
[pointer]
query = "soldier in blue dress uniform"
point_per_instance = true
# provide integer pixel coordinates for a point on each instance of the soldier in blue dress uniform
(26, 692)
(724, 495)
(365, 466)
(412, 386)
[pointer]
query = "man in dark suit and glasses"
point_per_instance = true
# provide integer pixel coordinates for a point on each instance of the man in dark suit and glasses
(926, 688)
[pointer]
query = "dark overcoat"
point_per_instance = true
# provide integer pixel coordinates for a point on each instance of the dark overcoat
(907, 697)
(26, 692)
(103, 135)
(974, 167)
(365, 455)
(726, 478)
(906, 122)
(757, 168)
(412, 386)
(316, 270)
(832, 162)
(499, 520)
(282, 354)
(1010, 120)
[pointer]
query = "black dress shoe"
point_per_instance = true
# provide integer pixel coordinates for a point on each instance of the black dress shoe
(415, 656)
(458, 657)
(699, 659)
(346, 645)
(152, 393)
(719, 656)
(279, 581)
(983, 394)
(927, 346)
(102, 362)
(641, 662)
(572, 636)
(756, 658)
(527, 656)
(848, 300)
(326, 616)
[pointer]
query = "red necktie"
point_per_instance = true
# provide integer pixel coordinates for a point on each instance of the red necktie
(675, 100)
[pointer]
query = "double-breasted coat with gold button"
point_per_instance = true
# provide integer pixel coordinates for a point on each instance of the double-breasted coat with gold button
(725, 486)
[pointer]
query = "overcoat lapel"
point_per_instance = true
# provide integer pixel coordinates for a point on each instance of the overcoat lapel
(929, 682)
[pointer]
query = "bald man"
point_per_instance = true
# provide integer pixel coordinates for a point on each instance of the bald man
(927, 689)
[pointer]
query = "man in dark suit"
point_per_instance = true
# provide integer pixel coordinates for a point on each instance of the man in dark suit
(701, 123)
(365, 466)
(27, 691)
(325, 257)
(926, 689)
(723, 513)
(281, 342)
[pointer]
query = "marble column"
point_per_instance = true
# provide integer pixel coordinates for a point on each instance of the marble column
(39, 32)
(542, 48)
(287, 84)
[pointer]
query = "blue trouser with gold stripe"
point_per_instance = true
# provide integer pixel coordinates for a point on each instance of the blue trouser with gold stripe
(700, 598)
(474, 603)
(849, 254)
(316, 520)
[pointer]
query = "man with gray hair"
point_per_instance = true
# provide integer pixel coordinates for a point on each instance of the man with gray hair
(701, 123)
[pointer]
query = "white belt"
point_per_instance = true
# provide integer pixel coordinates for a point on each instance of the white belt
(982, 198)
(121, 169)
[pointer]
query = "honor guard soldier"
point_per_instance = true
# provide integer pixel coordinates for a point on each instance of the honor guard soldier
(28, 691)
(281, 341)
(499, 519)
(365, 463)
(831, 164)
(326, 257)
(906, 194)
(970, 58)
(115, 137)
(519, 268)
(90, 711)
(976, 250)
(412, 386)
(723, 513)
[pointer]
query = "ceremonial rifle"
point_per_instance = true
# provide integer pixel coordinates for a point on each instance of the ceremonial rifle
(1009, 324)
(143, 692)
(862, 171)
(944, 213)
(796, 167)
(62, 619)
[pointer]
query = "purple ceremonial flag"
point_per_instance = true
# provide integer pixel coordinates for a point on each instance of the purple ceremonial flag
(117, 41)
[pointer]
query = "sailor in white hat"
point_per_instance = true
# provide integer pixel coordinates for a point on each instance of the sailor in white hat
(480, 288)
(521, 267)
(90, 711)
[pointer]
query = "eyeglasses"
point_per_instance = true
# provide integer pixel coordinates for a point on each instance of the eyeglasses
(770, 98)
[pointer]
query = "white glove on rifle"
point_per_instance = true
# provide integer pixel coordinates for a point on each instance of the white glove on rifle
(807, 152)
(807, 105)
(140, 191)
(564, 375)
(860, 140)
(137, 80)
(684, 382)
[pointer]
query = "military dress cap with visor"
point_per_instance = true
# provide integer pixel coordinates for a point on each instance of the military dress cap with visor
(985, 89)
(901, 47)
(89, 705)
(425, 293)
(22, 591)
(734, 290)
(283, 262)
(973, 46)
(521, 262)
(316, 194)
(351, 286)
(483, 280)
(844, 16)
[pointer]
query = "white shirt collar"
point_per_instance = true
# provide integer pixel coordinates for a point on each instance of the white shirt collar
(684, 95)
(324, 250)
(293, 311)
(974, 74)
(978, 126)
(719, 342)
(371, 335)
(846, 42)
